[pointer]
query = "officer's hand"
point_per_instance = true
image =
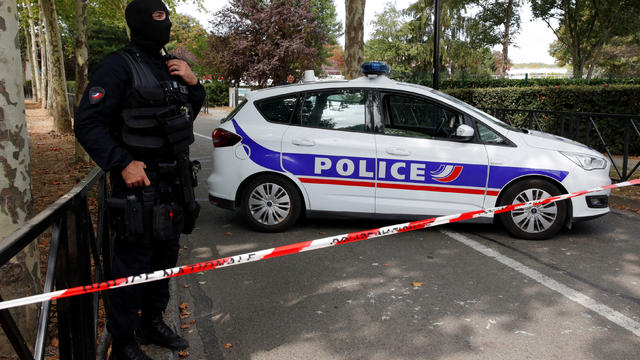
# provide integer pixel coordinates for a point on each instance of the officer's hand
(180, 68)
(134, 174)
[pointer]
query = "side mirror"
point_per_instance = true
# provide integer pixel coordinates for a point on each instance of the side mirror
(464, 133)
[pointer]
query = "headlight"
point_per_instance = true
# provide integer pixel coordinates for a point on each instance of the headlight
(587, 162)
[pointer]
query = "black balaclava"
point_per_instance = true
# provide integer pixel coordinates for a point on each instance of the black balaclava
(145, 31)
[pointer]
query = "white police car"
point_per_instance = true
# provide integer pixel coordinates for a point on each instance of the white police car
(375, 147)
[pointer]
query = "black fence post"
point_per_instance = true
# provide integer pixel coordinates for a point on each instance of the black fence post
(13, 334)
(63, 306)
(625, 150)
(75, 314)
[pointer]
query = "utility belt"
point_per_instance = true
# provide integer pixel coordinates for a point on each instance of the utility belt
(159, 212)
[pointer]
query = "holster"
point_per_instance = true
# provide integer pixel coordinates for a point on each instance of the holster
(187, 172)
(127, 217)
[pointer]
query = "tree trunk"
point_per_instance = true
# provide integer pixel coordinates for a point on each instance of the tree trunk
(60, 103)
(47, 48)
(82, 65)
(594, 61)
(506, 39)
(20, 276)
(354, 38)
(37, 89)
(29, 53)
(44, 83)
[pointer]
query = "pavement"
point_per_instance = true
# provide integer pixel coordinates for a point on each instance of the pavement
(237, 315)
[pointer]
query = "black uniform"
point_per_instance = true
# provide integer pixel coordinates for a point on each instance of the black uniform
(100, 128)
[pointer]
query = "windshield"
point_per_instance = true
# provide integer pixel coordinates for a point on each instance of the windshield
(474, 111)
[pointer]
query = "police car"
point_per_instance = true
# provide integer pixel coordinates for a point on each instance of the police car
(377, 148)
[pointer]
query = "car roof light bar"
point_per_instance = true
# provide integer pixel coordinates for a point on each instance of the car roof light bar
(375, 68)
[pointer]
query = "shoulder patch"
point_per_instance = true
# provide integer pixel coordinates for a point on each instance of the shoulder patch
(96, 94)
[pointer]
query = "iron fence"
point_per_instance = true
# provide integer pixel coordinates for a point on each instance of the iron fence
(74, 246)
(607, 133)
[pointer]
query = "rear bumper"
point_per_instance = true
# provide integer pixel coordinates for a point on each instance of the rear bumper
(223, 203)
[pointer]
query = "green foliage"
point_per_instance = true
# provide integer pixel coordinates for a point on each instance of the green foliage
(104, 38)
(404, 39)
(71, 86)
(483, 81)
(327, 19)
(584, 27)
(613, 99)
(621, 57)
(217, 93)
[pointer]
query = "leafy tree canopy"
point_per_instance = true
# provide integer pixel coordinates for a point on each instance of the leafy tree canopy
(585, 27)
(262, 41)
(404, 39)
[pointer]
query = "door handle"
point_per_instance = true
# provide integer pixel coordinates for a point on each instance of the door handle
(398, 151)
(303, 142)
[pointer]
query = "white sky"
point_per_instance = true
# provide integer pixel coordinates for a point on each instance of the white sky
(531, 45)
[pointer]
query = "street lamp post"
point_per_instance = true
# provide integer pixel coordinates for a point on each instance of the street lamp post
(436, 45)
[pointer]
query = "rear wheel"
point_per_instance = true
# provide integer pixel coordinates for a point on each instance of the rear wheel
(535, 223)
(270, 203)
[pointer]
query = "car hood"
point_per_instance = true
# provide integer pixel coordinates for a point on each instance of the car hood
(543, 140)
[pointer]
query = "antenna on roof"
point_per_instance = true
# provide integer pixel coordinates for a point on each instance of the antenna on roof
(309, 76)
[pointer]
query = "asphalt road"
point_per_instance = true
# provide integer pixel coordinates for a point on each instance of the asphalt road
(454, 292)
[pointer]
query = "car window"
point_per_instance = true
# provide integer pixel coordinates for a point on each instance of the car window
(335, 109)
(411, 116)
(488, 136)
(278, 109)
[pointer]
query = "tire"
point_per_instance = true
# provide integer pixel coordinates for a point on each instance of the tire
(536, 223)
(270, 203)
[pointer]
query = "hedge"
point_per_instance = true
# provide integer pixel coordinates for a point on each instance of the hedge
(489, 82)
(217, 93)
(610, 99)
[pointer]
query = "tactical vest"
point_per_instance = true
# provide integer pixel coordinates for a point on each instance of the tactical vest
(157, 117)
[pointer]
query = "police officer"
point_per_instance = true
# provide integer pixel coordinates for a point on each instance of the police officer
(136, 121)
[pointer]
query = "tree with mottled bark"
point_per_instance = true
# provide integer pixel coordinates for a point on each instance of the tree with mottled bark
(20, 276)
(44, 78)
(60, 104)
(82, 63)
(35, 75)
(354, 38)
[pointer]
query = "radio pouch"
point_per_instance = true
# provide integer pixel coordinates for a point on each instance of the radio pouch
(164, 222)
(127, 217)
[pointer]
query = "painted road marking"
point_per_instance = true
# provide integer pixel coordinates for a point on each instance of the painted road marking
(574, 295)
(206, 137)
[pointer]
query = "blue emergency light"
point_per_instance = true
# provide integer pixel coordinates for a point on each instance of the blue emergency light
(375, 68)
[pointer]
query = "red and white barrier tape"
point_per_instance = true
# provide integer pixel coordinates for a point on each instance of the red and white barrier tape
(293, 248)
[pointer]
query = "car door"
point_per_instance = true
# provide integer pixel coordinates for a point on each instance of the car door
(331, 150)
(422, 168)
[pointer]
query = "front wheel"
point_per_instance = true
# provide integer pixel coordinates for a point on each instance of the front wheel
(535, 223)
(270, 203)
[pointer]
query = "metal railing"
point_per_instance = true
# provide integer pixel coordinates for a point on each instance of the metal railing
(607, 133)
(75, 258)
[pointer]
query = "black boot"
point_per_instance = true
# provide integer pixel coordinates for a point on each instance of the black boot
(153, 330)
(126, 349)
